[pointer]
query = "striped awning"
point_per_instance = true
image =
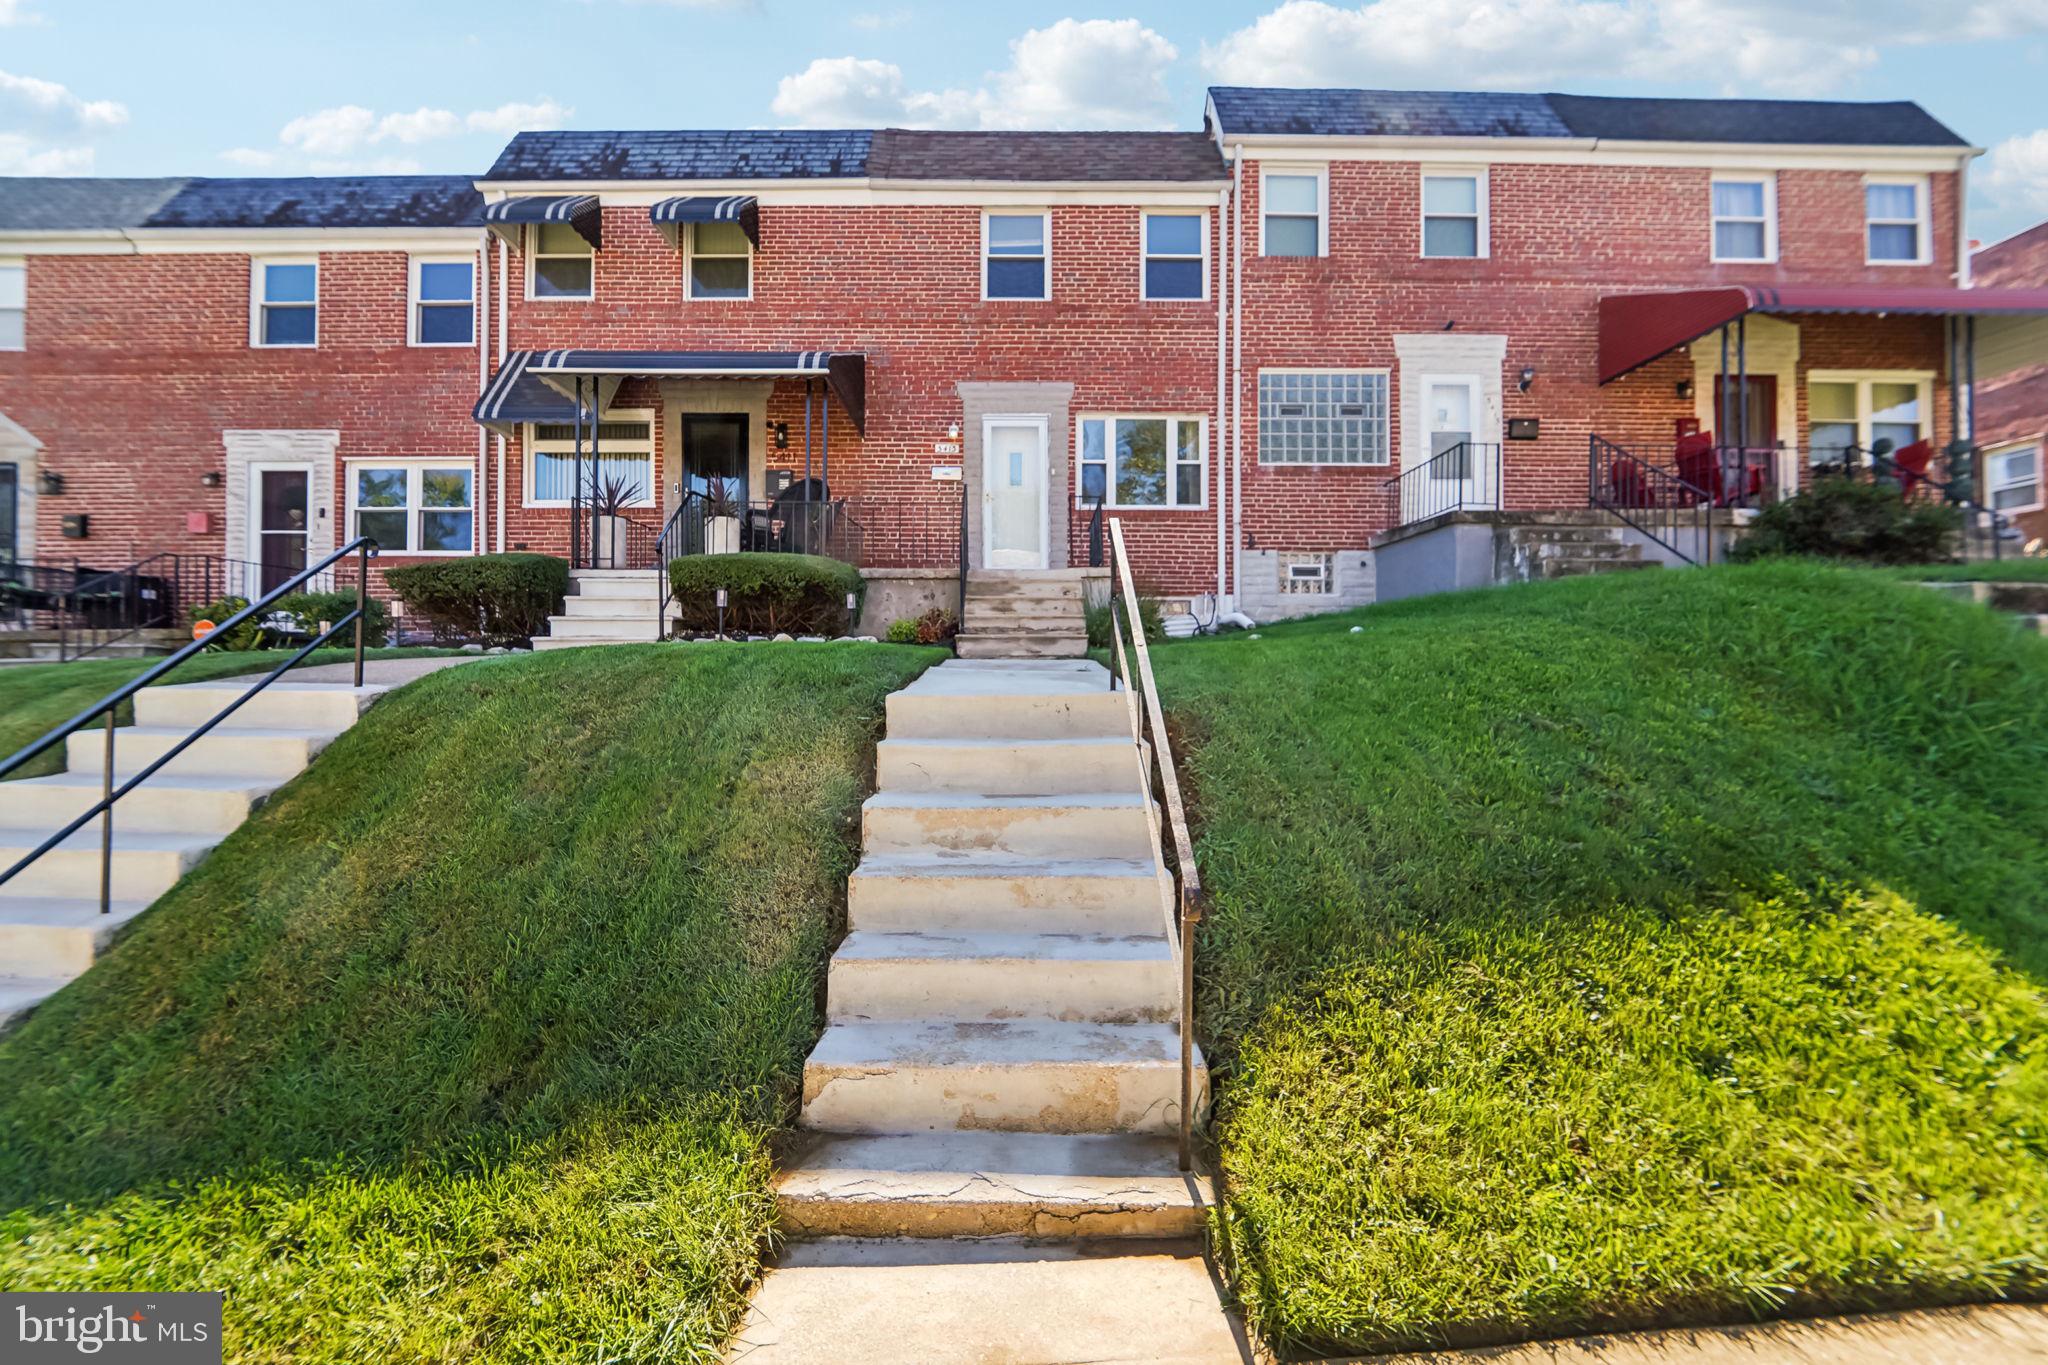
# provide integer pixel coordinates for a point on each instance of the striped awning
(670, 214)
(536, 386)
(516, 395)
(579, 211)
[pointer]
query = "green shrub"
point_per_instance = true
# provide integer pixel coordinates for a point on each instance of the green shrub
(309, 609)
(500, 599)
(903, 631)
(249, 635)
(764, 593)
(1843, 519)
(936, 627)
(1097, 610)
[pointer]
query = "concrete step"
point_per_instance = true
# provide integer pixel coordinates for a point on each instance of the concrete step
(1591, 549)
(1097, 978)
(990, 1185)
(645, 609)
(947, 892)
(1563, 535)
(632, 586)
(1000, 766)
(946, 703)
(193, 803)
(1078, 825)
(1012, 621)
(283, 705)
(1570, 566)
(597, 629)
(241, 751)
(57, 936)
(20, 994)
(1012, 1077)
(890, 1300)
(1008, 644)
(145, 864)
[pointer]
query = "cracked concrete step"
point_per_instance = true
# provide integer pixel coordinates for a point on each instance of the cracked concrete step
(941, 892)
(990, 1185)
(1108, 824)
(145, 863)
(883, 1302)
(284, 705)
(1036, 1077)
(56, 936)
(935, 976)
(192, 803)
(1034, 767)
(1014, 644)
(632, 585)
(1061, 624)
(1010, 699)
(237, 752)
(20, 994)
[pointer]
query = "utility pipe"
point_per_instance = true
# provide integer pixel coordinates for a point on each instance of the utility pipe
(1237, 387)
(1222, 378)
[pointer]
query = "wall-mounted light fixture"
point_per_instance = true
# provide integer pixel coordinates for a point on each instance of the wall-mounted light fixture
(210, 479)
(50, 483)
(1685, 388)
(1528, 378)
(782, 436)
(953, 432)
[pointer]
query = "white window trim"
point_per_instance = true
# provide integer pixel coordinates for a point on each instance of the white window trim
(1045, 214)
(1922, 380)
(258, 301)
(1923, 222)
(1321, 172)
(1173, 462)
(413, 465)
(688, 238)
(413, 302)
(1769, 180)
(2040, 479)
(1383, 371)
(1483, 197)
(526, 450)
(18, 263)
(529, 243)
(1145, 256)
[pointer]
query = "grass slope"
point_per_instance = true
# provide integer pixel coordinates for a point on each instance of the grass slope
(468, 1046)
(1652, 948)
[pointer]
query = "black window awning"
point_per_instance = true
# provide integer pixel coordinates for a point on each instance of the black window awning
(516, 395)
(535, 386)
(579, 211)
(670, 214)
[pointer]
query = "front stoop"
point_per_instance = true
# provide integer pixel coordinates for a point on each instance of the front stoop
(1025, 614)
(606, 607)
(1001, 1058)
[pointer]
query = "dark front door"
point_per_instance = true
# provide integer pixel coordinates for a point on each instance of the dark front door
(715, 447)
(9, 505)
(282, 505)
(1762, 433)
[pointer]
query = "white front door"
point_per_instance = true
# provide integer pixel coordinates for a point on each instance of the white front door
(1013, 511)
(1464, 475)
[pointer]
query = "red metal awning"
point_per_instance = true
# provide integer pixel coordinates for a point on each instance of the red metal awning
(1637, 328)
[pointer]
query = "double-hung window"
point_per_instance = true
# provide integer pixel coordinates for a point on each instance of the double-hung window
(1016, 256)
(561, 264)
(1175, 248)
(287, 299)
(2014, 478)
(1141, 461)
(412, 508)
(1454, 213)
(721, 261)
(1291, 213)
(625, 442)
(1895, 221)
(1852, 412)
(1323, 417)
(443, 301)
(1745, 218)
(13, 307)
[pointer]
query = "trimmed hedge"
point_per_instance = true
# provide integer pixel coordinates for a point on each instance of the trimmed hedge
(309, 609)
(499, 599)
(1842, 519)
(765, 593)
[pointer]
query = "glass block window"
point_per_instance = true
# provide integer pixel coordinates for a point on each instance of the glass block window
(1309, 575)
(1321, 417)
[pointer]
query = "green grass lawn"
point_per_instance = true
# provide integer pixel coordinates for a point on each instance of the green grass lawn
(2032, 569)
(36, 698)
(469, 1045)
(1662, 947)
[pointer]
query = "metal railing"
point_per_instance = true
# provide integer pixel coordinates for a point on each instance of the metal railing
(1148, 722)
(1671, 511)
(103, 809)
(1095, 535)
(1465, 477)
(1981, 532)
(960, 617)
(786, 525)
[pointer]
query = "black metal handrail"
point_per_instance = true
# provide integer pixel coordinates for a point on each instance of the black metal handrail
(1095, 535)
(1150, 723)
(1652, 499)
(1982, 529)
(1465, 477)
(362, 547)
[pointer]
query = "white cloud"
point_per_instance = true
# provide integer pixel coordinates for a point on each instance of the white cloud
(2015, 174)
(539, 116)
(249, 158)
(14, 12)
(421, 125)
(330, 131)
(1076, 73)
(21, 156)
(874, 21)
(344, 139)
(48, 105)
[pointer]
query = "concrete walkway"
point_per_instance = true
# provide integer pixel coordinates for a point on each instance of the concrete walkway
(386, 673)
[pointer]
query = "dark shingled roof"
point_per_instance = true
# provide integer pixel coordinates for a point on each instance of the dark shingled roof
(786, 154)
(36, 203)
(902, 154)
(345, 201)
(1424, 113)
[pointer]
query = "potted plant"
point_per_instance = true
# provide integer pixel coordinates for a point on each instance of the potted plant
(609, 499)
(721, 517)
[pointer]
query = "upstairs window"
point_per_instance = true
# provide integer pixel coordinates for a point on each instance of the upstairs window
(412, 509)
(1174, 252)
(721, 261)
(287, 303)
(1291, 220)
(443, 302)
(1141, 461)
(1895, 222)
(1454, 214)
(1015, 256)
(13, 307)
(1323, 417)
(562, 263)
(1745, 214)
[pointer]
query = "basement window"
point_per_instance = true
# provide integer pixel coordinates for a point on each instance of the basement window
(1306, 575)
(2014, 476)
(412, 508)
(287, 299)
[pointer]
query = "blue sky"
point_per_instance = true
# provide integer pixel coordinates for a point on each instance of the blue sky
(123, 87)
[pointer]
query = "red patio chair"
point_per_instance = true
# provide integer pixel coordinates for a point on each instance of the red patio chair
(1912, 462)
(1698, 465)
(1629, 487)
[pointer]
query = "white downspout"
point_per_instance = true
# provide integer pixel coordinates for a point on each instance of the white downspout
(1222, 378)
(504, 325)
(1237, 389)
(483, 380)
(1964, 273)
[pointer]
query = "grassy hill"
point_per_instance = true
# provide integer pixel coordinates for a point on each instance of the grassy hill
(469, 1045)
(1656, 948)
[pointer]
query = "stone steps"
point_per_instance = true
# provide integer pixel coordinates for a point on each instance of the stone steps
(1570, 566)
(945, 892)
(1094, 978)
(241, 751)
(1028, 765)
(1022, 644)
(1072, 825)
(606, 607)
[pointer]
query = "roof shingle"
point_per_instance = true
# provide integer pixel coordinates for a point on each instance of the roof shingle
(904, 154)
(351, 201)
(37, 203)
(769, 154)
